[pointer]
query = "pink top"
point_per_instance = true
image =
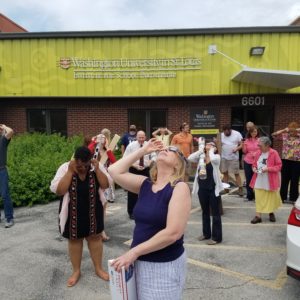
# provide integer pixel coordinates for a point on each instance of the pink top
(250, 149)
(274, 166)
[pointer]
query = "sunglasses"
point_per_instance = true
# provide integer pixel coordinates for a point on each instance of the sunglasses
(176, 150)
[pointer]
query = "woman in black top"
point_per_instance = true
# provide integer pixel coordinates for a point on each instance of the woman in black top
(81, 209)
(208, 185)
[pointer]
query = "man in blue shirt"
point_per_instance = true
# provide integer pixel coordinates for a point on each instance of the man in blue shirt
(5, 136)
(127, 138)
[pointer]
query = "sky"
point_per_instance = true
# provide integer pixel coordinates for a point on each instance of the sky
(98, 15)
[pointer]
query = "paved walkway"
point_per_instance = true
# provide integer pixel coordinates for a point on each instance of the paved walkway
(249, 264)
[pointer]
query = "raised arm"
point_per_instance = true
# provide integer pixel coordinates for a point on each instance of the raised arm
(63, 178)
(194, 157)
(178, 214)
(8, 132)
(169, 132)
(214, 158)
(119, 170)
(100, 174)
(281, 131)
(154, 133)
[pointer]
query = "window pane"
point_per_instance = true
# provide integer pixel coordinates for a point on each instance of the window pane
(237, 119)
(58, 121)
(262, 118)
(37, 120)
(158, 118)
(138, 118)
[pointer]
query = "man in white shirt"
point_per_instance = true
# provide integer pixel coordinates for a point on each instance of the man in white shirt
(140, 167)
(231, 141)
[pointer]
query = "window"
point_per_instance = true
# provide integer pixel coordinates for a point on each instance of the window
(47, 121)
(262, 117)
(147, 120)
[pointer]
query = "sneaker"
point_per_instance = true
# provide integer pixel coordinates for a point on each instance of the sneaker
(256, 220)
(211, 242)
(9, 224)
(202, 238)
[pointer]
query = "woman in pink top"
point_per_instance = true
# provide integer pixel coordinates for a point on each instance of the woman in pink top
(266, 180)
(250, 148)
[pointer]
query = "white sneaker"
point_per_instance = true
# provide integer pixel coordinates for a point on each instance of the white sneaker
(9, 224)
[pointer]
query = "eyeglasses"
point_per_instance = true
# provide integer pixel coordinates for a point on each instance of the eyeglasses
(176, 150)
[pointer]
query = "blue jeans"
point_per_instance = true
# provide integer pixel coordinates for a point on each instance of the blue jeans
(4, 192)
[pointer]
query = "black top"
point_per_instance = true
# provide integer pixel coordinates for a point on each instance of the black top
(86, 211)
(150, 215)
(208, 183)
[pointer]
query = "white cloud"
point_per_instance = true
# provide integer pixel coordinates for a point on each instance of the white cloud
(72, 15)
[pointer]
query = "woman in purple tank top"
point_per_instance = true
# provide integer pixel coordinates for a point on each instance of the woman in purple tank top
(161, 215)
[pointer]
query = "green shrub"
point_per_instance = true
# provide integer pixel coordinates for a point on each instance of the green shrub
(32, 163)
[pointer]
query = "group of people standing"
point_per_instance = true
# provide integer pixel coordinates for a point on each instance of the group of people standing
(268, 177)
(154, 173)
(160, 214)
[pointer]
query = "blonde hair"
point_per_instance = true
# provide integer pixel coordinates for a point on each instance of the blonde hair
(178, 175)
(106, 132)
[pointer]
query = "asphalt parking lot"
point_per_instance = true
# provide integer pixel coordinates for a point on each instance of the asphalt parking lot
(249, 264)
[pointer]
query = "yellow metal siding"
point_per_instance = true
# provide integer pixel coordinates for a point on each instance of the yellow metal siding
(30, 67)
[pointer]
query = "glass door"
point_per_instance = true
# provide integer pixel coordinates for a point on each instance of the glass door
(262, 117)
(147, 120)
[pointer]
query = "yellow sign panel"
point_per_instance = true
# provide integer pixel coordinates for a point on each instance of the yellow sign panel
(139, 66)
(205, 131)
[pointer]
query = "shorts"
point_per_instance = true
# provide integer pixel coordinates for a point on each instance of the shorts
(230, 166)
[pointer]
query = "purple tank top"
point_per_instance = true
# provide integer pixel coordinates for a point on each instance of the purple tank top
(150, 214)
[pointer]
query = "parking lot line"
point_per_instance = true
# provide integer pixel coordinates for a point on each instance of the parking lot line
(240, 207)
(276, 284)
(240, 248)
(243, 224)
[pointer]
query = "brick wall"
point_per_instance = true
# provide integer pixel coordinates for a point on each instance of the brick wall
(88, 115)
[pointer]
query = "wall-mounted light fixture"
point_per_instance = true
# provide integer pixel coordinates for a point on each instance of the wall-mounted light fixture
(257, 51)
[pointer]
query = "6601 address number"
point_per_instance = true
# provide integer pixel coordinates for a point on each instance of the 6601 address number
(253, 101)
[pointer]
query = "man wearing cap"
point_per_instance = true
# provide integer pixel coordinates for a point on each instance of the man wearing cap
(5, 136)
(127, 138)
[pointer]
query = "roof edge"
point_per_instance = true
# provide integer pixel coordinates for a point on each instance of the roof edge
(13, 22)
(151, 32)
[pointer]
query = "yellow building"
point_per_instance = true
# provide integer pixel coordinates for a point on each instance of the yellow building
(73, 82)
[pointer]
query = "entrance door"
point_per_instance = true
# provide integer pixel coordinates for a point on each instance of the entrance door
(147, 120)
(262, 117)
